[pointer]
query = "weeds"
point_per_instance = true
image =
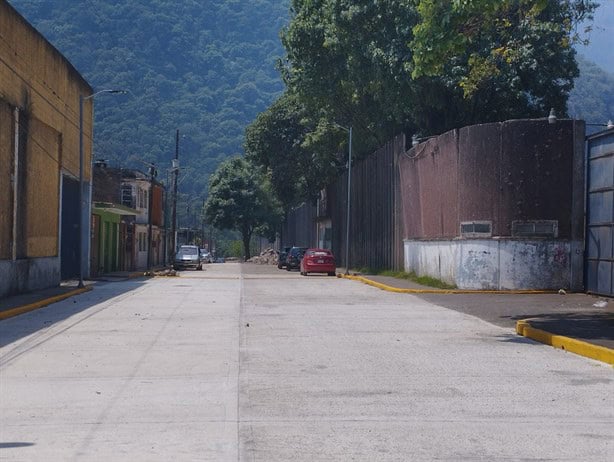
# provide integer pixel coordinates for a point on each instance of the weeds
(422, 280)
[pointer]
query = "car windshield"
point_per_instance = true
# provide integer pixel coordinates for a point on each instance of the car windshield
(187, 251)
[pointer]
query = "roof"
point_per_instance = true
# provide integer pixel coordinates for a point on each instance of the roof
(117, 209)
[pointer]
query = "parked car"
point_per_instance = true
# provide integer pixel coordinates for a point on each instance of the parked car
(283, 255)
(318, 261)
(295, 255)
(188, 256)
(205, 256)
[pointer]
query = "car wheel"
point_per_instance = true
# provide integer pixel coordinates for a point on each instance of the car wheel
(279, 266)
(332, 273)
(288, 268)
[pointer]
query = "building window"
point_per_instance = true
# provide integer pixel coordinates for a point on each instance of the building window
(535, 228)
(476, 229)
(142, 242)
(127, 195)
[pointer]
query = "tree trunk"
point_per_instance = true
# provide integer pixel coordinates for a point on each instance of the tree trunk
(247, 237)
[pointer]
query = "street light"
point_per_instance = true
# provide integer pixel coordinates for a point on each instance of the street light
(81, 166)
(349, 200)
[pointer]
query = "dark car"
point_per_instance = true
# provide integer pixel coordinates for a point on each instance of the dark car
(188, 256)
(281, 261)
(295, 255)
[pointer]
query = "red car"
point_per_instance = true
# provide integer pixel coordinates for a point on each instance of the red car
(318, 261)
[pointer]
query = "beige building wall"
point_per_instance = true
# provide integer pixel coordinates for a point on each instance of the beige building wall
(6, 189)
(40, 88)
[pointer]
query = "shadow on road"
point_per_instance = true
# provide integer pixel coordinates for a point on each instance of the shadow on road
(15, 328)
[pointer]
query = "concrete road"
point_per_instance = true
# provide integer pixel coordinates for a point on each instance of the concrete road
(250, 363)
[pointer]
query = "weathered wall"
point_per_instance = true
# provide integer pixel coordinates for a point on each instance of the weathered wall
(7, 127)
(493, 264)
(36, 78)
(42, 190)
(516, 171)
(40, 89)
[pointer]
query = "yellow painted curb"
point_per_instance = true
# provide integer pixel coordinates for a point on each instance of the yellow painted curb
(48, 301)
(440, 291)
(572, 345)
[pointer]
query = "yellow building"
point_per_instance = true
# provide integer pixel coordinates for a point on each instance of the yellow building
(39, 160)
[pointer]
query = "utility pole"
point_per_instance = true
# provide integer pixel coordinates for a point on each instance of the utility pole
(174, 212)
(202, 235)
(152, 174)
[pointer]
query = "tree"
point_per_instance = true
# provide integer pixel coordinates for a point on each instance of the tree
(282, 140)
(345, 62)
(511, 58)
(430, 65)
(240, 198)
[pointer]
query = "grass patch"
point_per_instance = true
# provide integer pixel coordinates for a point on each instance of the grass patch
(422, 280)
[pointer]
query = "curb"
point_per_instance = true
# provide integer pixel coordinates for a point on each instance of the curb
(41, 303)
(379, 285)
(579, 347)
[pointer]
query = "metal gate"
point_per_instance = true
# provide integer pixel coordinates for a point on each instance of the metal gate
(600, 214)
(69, 264)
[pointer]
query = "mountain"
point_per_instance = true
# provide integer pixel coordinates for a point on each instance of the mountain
(206, 68)
(592, 98)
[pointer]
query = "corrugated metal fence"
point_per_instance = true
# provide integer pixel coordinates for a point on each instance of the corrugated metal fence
(376, 237)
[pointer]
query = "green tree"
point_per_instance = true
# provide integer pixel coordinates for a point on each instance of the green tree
(430, 65)
(511, 58)
(241, 199)
(282, 140)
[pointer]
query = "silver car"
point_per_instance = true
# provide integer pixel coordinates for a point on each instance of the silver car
(188, 257)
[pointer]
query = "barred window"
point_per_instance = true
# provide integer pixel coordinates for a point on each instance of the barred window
(476, 229)
(535, 228)
(127, 195)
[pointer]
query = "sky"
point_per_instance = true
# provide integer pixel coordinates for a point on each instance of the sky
(601, 47)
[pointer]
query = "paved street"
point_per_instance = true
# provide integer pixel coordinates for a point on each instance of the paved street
(250, 363)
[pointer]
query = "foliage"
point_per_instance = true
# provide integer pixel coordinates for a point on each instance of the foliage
(514, 55)
(422, 280)
(344, 61)
(207, 68)
(240, 198)
(279, 140)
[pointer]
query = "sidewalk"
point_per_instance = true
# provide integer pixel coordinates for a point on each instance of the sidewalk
(22, 303)
(580, 323)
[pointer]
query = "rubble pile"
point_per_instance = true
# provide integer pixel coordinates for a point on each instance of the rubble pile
(165, 272)
(266, 257)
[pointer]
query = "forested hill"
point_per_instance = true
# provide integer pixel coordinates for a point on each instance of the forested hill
(205, 67)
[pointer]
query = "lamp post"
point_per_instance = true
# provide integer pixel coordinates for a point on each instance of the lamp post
(349, 198)
(82, 216)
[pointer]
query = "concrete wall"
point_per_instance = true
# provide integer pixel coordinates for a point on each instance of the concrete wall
(507, 174)
(28, 274)
(494, 264)
(39, 141)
